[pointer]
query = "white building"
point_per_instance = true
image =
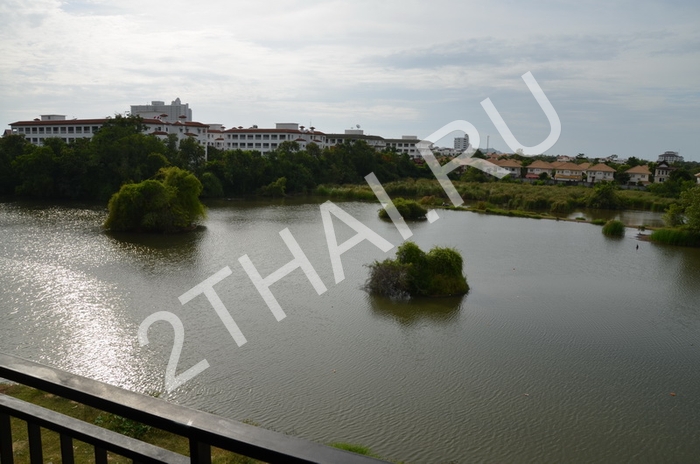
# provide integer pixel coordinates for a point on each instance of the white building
(462, 143)
(670, 157)
(69, 130)
(406, 144)
(265, 140)
(175, 111)
(353, 135)
(600, 173)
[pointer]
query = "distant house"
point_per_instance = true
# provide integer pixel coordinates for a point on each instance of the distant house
(639, 174)
(697, 176)
(513, 167)
(600, 173)
(535, 170)
(670, 157)
(568, 172)
(565, 158)
(662, 171)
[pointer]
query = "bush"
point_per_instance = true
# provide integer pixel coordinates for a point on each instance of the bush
(275, 189)
(599, 222)
(415, 273)
(409, 209)
(614, 228)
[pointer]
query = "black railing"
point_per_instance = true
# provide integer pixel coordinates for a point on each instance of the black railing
(203, 430)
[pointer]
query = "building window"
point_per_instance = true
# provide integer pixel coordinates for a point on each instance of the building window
(70, 130)
(78, 130)
(266, 145)
(257, 145)
(86, 129)
(258, 136)
(274, 136)
(274, 145)
(41, 130)
(33, 130)
(283, 136)
(266, 137)
(250, 136)
(95, 129)
(63, 130)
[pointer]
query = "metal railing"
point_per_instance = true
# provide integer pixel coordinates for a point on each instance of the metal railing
(202, 430)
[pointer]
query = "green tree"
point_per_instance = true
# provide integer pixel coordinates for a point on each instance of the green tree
(11, 147)
(168, 203)
(35, 172)
(690, 201)
(605, 196)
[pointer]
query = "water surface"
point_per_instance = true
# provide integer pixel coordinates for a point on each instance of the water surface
(567, 349)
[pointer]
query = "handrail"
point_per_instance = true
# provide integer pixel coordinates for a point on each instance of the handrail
(202, 429)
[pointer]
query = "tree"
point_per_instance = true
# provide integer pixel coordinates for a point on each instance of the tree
(169, 203)
(690, 201)
(605, 196)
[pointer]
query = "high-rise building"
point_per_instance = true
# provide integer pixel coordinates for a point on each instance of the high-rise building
(462, 143)
(175, 111)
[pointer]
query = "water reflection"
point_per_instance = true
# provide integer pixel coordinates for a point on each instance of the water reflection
(417, 310)
(156, 253)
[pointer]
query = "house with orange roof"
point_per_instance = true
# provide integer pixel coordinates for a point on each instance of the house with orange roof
(513, 166)
(639, 175)
(535, 170)
(568, 172)
(697, 176)
(600, 173)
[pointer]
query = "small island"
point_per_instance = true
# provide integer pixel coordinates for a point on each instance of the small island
(414, 273)
(167, 203)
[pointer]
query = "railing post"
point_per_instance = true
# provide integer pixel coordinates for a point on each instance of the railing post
(6, 456)
(67, 456)
(100, 455)
(200, 453)
(36, 454)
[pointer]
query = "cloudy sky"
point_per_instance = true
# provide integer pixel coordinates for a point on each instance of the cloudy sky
(623, 76)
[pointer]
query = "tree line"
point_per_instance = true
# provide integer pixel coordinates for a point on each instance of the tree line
(120, 153)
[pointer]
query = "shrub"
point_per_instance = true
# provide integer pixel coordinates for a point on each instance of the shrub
(599, 222)
(409, 209)
(275, 189)
(614, 228)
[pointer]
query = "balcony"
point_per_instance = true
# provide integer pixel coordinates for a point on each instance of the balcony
(202, 430)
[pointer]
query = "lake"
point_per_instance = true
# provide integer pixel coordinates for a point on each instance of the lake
(570, 347)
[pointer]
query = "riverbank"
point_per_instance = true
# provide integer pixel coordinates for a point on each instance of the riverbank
(504, 195)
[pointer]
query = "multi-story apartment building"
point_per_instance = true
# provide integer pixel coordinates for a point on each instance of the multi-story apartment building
(461, 143)
(175, 111)
(69, 130)
(265, 140)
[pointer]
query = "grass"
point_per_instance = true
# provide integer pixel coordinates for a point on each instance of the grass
(678, 237)
(508, 196)
(614, 228)
(85, 453)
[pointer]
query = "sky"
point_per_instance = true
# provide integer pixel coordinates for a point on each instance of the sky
(622, 76)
